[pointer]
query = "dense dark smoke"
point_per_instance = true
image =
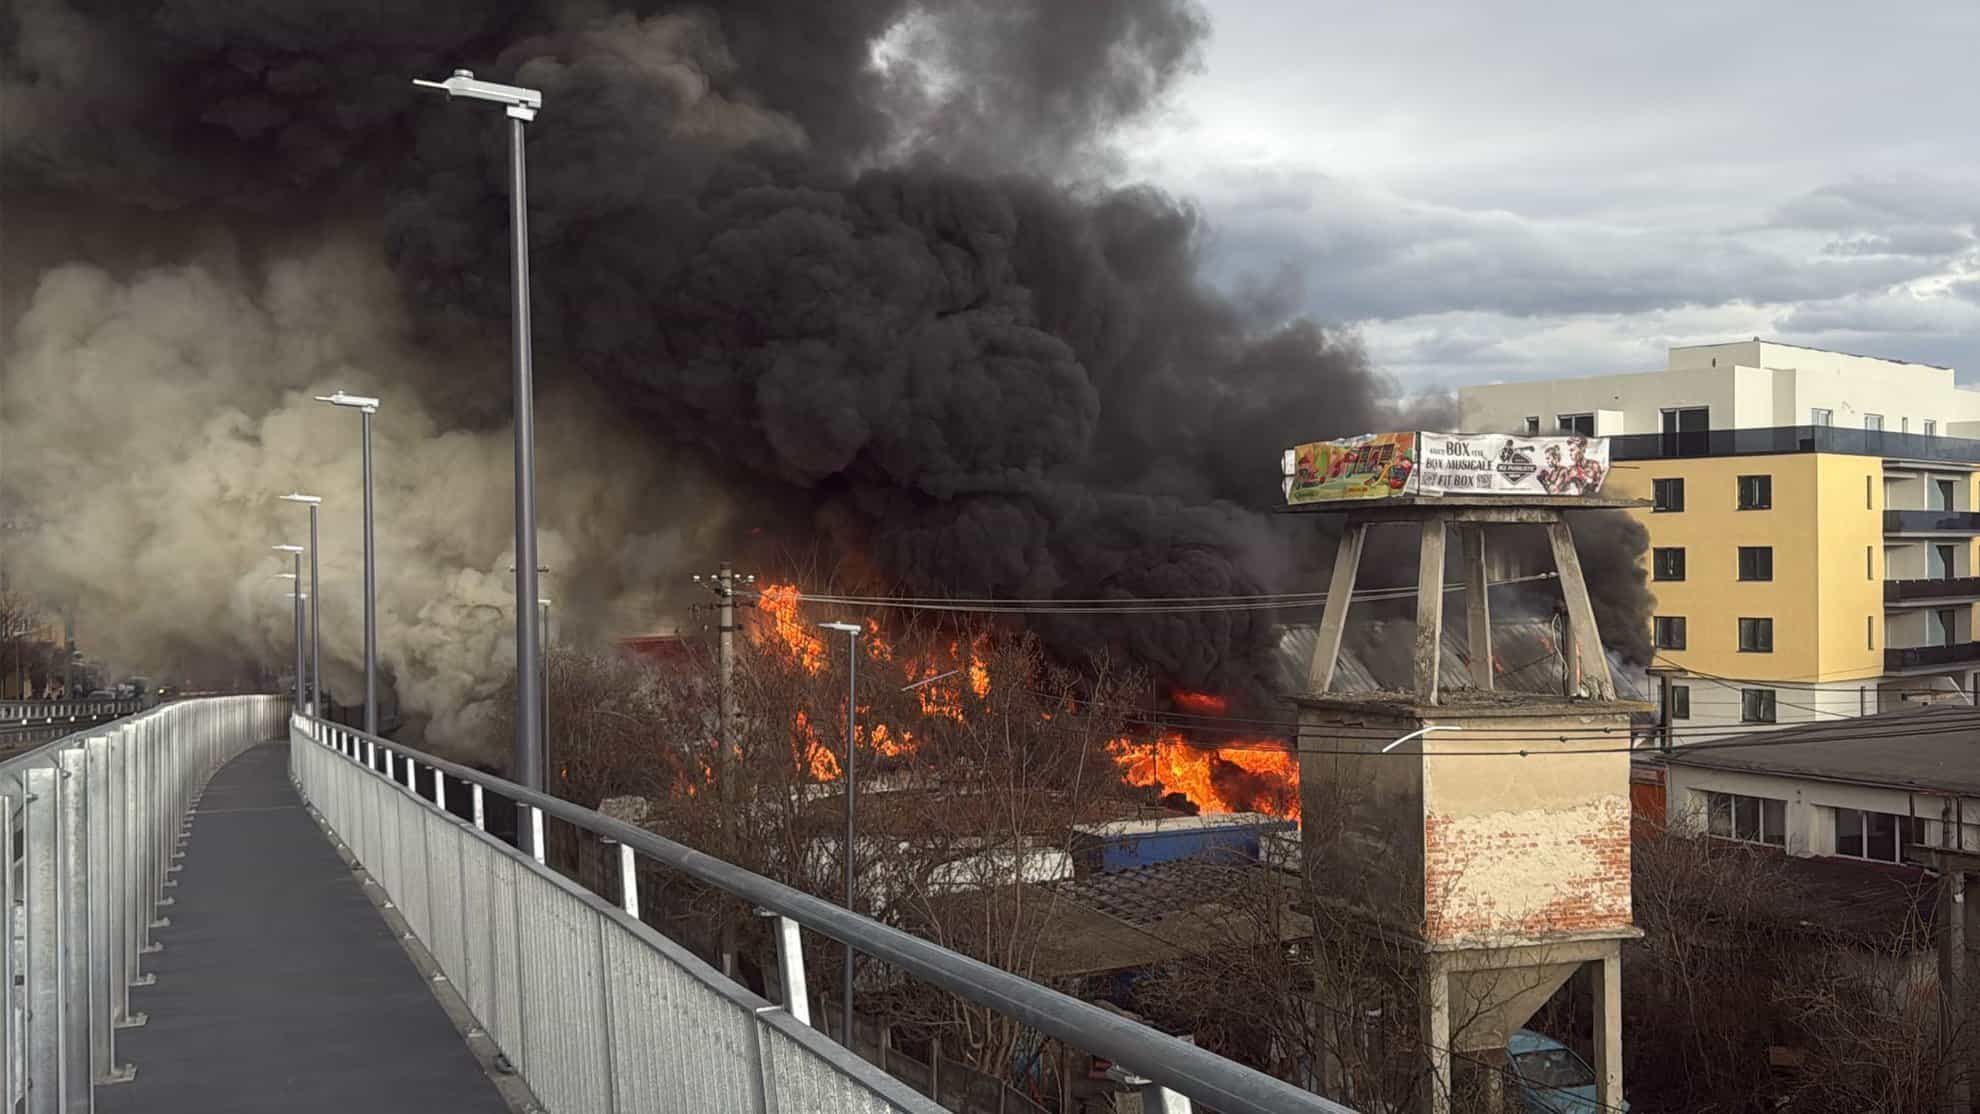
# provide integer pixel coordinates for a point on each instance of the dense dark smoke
(865, 260)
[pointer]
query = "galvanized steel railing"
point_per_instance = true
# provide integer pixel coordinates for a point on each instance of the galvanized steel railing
(89, 827)
(600, 1012)
(26, 713)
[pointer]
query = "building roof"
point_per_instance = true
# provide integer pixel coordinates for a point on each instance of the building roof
(1376, 655)
(1162, 912)
(1808, 348)
(1934, 748)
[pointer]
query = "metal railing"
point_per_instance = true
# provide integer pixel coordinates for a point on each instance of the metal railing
(1898, 659)
(600, 1012)
(89, 827)
(1931, 522)
(24, 713)
(1930, 588)
(1769, 440)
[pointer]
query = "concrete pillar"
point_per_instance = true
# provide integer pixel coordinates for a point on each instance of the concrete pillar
(1434, 997)
(1953, 989)
(1333, 619)
(1429, 609)
(1606, 974)
(1477, 608)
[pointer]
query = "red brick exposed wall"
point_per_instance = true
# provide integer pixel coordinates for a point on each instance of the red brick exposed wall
(1516, 874)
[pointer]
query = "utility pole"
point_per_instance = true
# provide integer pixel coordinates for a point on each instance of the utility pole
(1666, 702)
(723, 584)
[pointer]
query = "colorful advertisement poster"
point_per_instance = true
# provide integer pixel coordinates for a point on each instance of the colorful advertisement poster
(1373, 466)
(1498, 464)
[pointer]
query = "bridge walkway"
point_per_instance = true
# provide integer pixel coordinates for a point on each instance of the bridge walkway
(280, 986)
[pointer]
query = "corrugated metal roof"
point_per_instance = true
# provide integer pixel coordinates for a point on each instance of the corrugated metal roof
(1376, 654)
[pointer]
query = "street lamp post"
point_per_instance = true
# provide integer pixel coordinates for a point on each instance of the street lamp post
(851, 778)
(521, 106)
(315, 606)
(295, 577)
(366, 408)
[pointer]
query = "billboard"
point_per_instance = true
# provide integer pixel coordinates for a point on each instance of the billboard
(1382, 465)
(1372, 466)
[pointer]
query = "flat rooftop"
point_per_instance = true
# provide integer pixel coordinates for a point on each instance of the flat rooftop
(1935, 748)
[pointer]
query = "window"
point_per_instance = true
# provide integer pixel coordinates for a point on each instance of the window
(1942, 495)
(1669, 632)
(1667, 563)
(1880, 836)
(1873, 421)
(1752, 819)
(1686, 431)
(1680, 701)
(1583, 424)
(1904, 425)
(1532, 424)
(1869, 564)
(1756, 636)
(1869, 642)
(1756, 562)
(1930, 427)
(1945, 627)
(1869, 503)
(1942, 562)
(1756, 493)
(1756, 705)
(1819, 416)
(1669, 495)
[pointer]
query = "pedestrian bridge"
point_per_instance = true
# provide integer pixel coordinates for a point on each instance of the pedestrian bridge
(217, 906)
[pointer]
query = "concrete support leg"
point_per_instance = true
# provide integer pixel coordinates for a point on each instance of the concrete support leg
(1588, 658)
(1333, 619)
(1607, 976)
(1434, 998)
(1477, 608)
(1429, 609)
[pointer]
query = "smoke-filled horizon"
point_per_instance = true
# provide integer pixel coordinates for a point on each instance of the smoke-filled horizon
(856, 272)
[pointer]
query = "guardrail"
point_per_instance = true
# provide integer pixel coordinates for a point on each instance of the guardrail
(34, 713)
(89, 826)
(602, 1013)
(1930, 588)
(1900, 658)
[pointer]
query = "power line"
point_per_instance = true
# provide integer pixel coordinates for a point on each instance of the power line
(1146, 605)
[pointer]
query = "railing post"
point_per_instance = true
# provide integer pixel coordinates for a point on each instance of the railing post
(10, 926)
(72, 880)
(628, 881)
(790, 967)
(480, 818)
(42, 890)
(100, 784)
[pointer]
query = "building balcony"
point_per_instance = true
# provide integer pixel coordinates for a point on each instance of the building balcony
(1913, 659)
(1931, 522)
(1923, 448)
(1944, 589)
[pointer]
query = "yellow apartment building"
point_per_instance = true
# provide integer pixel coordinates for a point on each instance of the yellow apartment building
(1808, 561)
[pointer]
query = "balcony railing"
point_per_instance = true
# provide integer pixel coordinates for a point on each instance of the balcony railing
(1936, 588)
(1931, 522)
(1795, 439)
(1900, 659)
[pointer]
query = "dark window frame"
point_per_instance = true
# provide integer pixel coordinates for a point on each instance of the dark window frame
(1657, 629)
(1760, 554)
(1658, 489)
(1762, 641)
(1758, 706)
(1763, 492)
(1680, 702)
(1667, 563)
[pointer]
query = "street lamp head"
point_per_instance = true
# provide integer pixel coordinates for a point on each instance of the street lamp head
(298, 497)
(355, 402)
(287, 548)
(286, 576)
(521, 103)
(848, 628)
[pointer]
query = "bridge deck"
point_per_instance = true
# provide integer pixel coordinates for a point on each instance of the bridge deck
(280, 987)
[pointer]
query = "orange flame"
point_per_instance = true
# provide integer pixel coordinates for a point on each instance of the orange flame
(979, 668)
(1247, 776)
(778, 603)
(820, 762)
(1202, 703)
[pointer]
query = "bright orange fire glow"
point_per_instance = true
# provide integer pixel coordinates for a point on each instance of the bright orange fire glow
(1248, 776)
(778, 603)
(979, 668)
(1202, 703)
(822, 763)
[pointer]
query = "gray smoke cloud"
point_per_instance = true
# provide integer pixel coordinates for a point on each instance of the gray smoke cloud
(855, 270)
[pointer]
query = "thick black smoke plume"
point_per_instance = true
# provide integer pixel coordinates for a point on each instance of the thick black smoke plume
(860, 255)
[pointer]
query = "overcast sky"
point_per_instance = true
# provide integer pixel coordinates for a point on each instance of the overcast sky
(1519, 188)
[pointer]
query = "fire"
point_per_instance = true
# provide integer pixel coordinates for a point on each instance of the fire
(979, 668)
(778, 603)
(1202, 703)
(877, 646)
(812, 754)
(1247, 776)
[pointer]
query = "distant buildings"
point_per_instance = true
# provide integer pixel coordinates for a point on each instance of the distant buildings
(1814, 522)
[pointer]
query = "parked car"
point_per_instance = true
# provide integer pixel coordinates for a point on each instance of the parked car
(1550, 1077)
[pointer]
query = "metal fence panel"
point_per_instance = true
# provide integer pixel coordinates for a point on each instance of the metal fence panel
(564, 1039)
(444, 880)
(677, 1042)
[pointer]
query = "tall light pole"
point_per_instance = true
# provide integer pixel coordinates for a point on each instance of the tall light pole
(295, 577)
(521, 106)
(366, 408)
(849, 775)
(315, 607)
